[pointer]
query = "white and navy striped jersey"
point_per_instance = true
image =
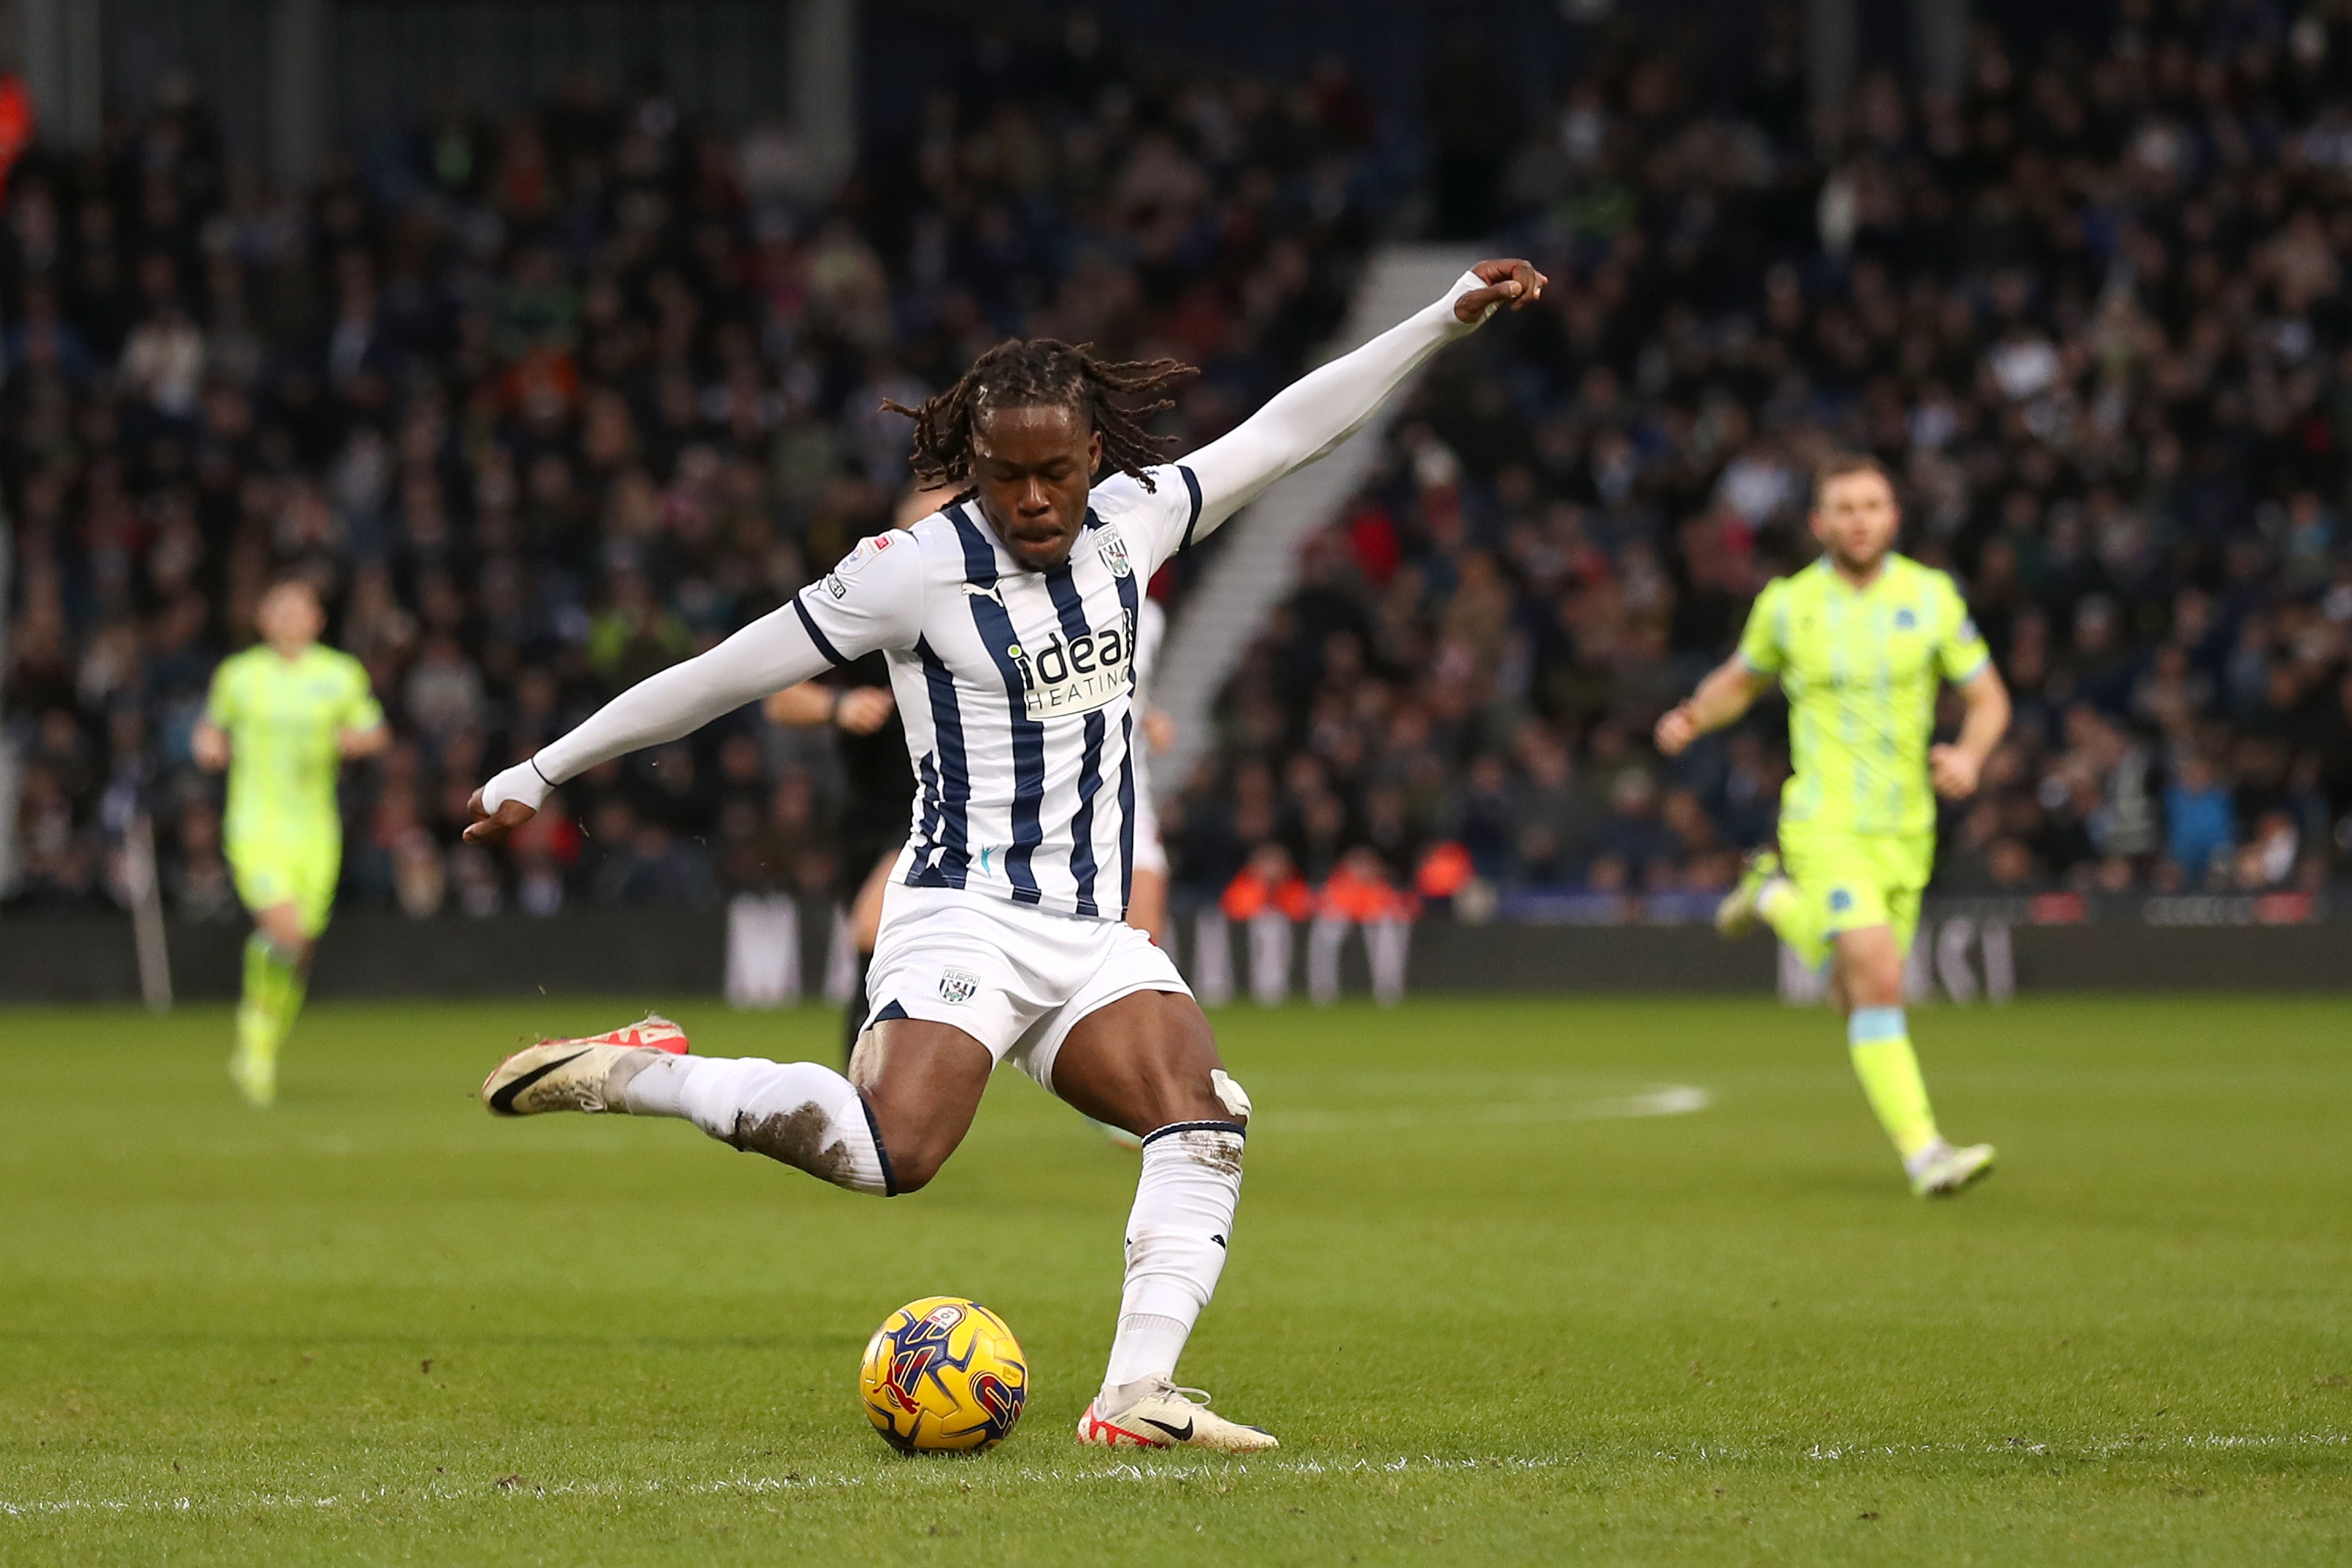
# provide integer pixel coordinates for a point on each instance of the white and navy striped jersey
(1016, 687)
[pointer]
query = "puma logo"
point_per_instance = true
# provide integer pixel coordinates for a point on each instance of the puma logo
(985, 591)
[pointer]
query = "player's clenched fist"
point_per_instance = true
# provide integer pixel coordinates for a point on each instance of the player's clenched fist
(1954, 770)
(1510, 282)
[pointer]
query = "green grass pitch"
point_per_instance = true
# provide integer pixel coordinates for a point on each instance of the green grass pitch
(1493, 1314)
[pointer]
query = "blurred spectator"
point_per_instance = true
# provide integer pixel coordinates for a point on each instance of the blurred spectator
(2202, 830)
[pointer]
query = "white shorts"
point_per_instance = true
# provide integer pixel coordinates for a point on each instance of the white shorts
(1016, 979)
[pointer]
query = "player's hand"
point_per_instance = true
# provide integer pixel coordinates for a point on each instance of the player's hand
(863, 710)
(492, 827)
(209, 746)
(1513, 283)
(1954, 771)
(1677, 730)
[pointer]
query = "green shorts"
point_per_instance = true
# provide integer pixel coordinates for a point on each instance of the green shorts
(300, 872)
(1856, 881)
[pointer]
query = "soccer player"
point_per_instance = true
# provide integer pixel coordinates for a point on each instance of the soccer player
(281, 717)
(1009, 619)
(1860, 641)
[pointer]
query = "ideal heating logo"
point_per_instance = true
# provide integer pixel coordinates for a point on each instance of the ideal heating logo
(1087, 672)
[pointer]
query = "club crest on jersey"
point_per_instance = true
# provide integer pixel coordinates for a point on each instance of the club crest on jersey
(1114, 553)
(1905, 620)
(1088, 671)
(957, 986)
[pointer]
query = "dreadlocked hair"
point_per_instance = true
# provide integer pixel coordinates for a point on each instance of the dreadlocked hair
(1117, 398)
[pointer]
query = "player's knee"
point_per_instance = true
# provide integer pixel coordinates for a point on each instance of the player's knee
(913, 1173)
(1876, 984)
(913, 1150)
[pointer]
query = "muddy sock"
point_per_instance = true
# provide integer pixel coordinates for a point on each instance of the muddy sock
(799, 1113)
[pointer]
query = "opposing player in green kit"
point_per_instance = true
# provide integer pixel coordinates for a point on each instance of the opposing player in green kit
(281, 718)
(1862, 642)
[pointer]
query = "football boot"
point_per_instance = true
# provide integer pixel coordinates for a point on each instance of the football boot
(1944, 1171)
(1167, 1416)
(584, 1074)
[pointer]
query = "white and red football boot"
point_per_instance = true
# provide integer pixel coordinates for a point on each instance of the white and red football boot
(1167, 1416)
(585, 1074)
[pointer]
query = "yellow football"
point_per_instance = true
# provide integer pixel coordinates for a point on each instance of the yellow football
(943, 1376)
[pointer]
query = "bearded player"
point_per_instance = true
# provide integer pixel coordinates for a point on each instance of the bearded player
(1009, 621)
(281, 718)
(1861, 641)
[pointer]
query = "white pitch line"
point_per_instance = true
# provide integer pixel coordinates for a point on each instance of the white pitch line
(972, 1475)
(1665, 1099)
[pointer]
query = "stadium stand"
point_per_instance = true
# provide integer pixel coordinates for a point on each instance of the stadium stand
(2091, 312)
(545, 405)
(546, 402)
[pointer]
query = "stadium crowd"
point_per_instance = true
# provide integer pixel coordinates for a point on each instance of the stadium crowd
(2090, 312)
(544, 405)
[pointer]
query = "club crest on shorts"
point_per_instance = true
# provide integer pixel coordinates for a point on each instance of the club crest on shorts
(957, 985)
(1113, 553)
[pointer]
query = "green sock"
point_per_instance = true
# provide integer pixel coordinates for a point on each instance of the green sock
(1879, 1040)
(273, 994)
(1795, 920)
(253, 1035)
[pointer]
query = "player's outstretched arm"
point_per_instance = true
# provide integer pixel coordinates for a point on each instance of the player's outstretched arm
(1729, 690)
(1326, 406)
(776, 651)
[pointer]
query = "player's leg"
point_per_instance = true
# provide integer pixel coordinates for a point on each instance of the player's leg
(1147, 912)
(289, 895)
(950, 1001)
(1878, 1029)
(275, 958)
(1869, 986)
(912, 1093)
(886, 1129)
(1147, 1062)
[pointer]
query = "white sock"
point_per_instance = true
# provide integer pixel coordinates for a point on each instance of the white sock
(1176, 1237)
(803, 1114)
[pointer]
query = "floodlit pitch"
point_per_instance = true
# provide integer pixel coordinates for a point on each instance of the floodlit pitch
(1519, 1281)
